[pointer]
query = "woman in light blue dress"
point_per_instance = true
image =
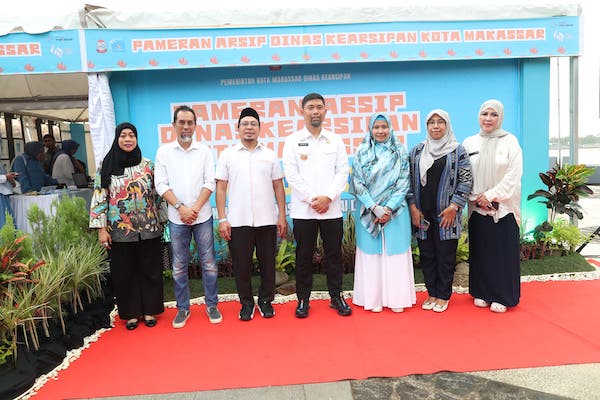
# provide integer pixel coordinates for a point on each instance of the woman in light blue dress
(383, 275)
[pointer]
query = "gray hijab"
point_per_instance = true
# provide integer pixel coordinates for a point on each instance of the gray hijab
(436, 148)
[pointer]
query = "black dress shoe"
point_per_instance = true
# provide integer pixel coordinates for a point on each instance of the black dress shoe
(340, 305)
(131, 325)
(302, 309)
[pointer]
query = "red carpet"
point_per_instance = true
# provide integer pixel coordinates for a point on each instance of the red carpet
(556, 323)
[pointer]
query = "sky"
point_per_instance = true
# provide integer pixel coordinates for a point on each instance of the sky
(589, 80)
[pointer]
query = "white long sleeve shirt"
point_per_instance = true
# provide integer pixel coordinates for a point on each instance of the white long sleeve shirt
(315, 167)
(63, 170)
(509, 166)
(185, 172)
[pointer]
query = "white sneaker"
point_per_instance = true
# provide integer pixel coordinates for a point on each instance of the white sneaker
(498, 308)
(377, 309)
(481, 303)
(397, 310)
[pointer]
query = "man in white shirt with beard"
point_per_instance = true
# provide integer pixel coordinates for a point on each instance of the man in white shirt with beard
(252, 173)
(184, 176)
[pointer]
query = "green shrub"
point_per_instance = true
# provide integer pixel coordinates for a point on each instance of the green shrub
(563, 236)
(285, 259)
(8, 234)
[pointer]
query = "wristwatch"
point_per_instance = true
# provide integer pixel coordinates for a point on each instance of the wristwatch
(177, 205)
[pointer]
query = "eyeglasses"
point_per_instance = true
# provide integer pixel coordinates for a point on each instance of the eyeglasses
(311, 108)
(436, 122)
(253, 124)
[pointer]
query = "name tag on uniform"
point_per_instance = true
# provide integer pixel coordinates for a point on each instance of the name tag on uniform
(302, 144)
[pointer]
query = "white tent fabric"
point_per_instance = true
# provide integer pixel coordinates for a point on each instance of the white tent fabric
(36, 16)
(157, 14)
(101, 115)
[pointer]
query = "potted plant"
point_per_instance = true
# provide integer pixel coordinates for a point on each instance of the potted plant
(565, 185)
(563, 238)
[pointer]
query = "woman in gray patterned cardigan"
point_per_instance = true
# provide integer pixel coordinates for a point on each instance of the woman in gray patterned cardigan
(440, 183)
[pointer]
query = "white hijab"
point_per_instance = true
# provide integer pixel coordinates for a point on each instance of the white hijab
(485, 175)
(436, 148)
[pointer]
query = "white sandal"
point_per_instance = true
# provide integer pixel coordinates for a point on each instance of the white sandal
(440, 308)
(377, 309)
(497, 307)
(481, 303)
(429, 303)
(398, 310)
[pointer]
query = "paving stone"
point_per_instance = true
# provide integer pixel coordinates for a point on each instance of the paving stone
(442, 386)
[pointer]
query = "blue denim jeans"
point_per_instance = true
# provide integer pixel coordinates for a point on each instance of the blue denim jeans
(181, 236)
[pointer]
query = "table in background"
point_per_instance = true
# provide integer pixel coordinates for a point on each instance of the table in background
(22, 202)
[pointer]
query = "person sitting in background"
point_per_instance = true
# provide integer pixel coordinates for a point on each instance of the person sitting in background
(49, 154)
(29, 168)
(7, 183)
(65, 164)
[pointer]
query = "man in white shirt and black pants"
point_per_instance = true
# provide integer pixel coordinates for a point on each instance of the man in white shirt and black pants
(316, 168)
(184, 175)
(253, 175)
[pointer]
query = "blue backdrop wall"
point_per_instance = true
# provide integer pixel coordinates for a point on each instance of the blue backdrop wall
(405, 90)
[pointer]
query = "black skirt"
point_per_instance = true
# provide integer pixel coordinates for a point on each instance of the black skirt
(494, 259)
(136, 275)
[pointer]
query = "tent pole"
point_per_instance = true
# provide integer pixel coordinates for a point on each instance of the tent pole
(574, 116)
(574, 110)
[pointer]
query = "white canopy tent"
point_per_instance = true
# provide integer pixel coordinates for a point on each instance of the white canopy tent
(64, 96)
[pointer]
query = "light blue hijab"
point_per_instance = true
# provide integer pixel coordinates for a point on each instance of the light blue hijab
(377, 171)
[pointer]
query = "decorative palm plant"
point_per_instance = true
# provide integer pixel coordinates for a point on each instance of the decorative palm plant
(566, 185)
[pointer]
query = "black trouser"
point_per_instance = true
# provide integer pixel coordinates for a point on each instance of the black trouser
(136, 274)
(243, 241)
(305, 233)
(438, 261)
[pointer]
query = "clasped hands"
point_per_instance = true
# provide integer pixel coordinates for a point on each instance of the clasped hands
(320, 204)
(188, 214)
(11, 176)
(383, 214)
(447, 216)
(483, 202)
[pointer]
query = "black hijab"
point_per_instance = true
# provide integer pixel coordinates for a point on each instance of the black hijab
(116, 160)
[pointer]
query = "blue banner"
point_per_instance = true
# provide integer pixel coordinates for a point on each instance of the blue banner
(367, 42)
(406, 91)
(51, 52)
(98, 50)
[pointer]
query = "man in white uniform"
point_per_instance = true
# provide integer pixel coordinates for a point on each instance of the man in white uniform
(316, 168)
